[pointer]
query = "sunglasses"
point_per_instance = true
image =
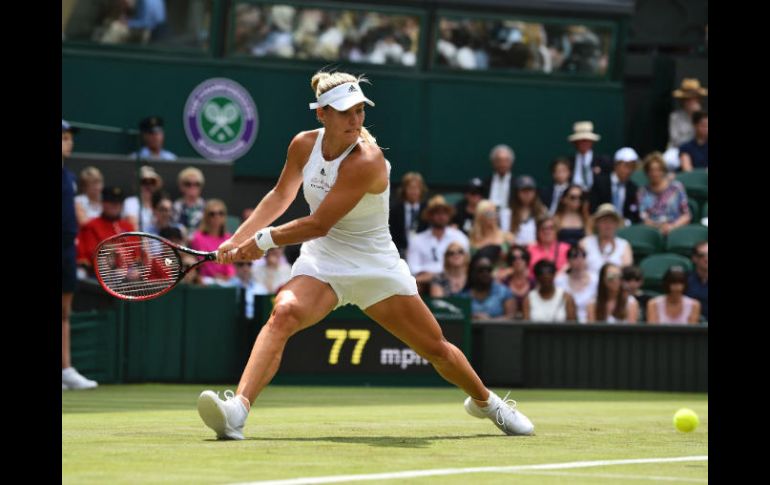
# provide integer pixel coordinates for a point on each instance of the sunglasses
(454, 253)
(191, 184)
(148, 181)
(612, 277)
(484, 269)
(516, 257)
(575, 255)
(215, 213)
(573, 197)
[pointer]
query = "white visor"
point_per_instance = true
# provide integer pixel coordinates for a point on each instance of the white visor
(342, 97)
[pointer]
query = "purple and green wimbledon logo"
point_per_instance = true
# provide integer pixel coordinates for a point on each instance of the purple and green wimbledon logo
(220, 120)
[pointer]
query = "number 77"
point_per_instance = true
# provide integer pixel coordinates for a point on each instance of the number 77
(339, 336)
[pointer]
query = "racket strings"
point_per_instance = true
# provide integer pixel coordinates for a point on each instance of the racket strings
(135, 268)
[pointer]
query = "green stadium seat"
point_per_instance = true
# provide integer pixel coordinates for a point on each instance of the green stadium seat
(696, 183)
(682, 239)
(232, 223)
(695, 212)
(655, 266)
(639, 178)
(705, 211)
(453, 198)
(644, 240)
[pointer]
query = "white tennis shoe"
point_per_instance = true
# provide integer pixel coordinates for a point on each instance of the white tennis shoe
(226, 417)
(503, 413)
(71, 379)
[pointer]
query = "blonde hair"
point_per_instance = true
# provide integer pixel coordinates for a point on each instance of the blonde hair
(477, 232)
(323, 81)
(652, 159)
(203, 226)
(191, 171)
(408, 178)
(89, 175)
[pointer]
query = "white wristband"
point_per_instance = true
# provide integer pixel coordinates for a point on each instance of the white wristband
(264, 239)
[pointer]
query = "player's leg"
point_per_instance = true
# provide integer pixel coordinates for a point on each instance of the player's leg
(410, 320)
(301, 303)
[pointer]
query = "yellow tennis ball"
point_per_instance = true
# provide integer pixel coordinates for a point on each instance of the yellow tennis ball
(685, 420)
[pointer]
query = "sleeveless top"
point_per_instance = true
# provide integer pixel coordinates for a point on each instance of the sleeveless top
(571, 235)
(660, 302)
(596, 258)
(553, 310)
(361, 238)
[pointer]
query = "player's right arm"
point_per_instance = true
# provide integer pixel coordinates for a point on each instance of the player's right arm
(275, 203)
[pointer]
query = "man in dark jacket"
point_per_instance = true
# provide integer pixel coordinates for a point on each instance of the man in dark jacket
(586, 164)
(617, 188)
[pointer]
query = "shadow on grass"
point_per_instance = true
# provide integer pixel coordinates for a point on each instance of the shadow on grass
(377, 441)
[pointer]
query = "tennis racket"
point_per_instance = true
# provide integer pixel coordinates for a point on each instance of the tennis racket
(138, 266)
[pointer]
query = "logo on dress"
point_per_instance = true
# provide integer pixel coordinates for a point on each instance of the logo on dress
(323, 172)
(220, 120)
(259, 236)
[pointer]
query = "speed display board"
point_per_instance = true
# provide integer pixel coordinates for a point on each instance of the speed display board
(347, 347)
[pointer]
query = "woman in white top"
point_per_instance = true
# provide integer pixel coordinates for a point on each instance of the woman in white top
(348, 256)
(612, 304)
(150, 183)
(604, 246)
(578, 282)
(547, 303)
(526, 208)
(673, 307)
(89, 203)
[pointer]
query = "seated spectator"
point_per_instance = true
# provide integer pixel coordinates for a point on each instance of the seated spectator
(404, 219)
(88, 205)
(162, 209)
(499, 186)
(586, 164)
(546, 246)
(673, 307)
(153, 138)
(188, 209)
(663, 202)
(150, 183)
(571, 218)
(561, 175)
(680, 125)
(489, 300)
(547, 303)
(526, 208)
(604, 246)
(633, 279)
(516, 276)
(173, 234)
(108, 224)
(578, 282)
(486, 235)
(274, 273)
(698, 279)
(695, 153)
(425, 255)
(453, 279)
(244, 279)
(617, 188)
(612, 303)
(210, 235)
(465, 209)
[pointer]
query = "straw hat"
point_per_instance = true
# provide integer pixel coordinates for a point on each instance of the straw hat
(435, 203)
(690, 88)
(584, 130)
(605, 210)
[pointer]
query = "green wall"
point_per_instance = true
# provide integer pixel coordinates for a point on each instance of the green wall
(441, 124)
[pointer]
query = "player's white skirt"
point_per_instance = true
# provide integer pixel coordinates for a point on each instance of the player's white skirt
(362, 286)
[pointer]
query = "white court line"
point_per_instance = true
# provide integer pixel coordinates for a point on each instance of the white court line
(614, 476)
(461, 471)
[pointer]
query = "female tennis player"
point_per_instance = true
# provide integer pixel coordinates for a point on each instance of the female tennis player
(348, 256)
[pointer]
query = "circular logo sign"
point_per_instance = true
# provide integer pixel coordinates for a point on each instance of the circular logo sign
(220, 120)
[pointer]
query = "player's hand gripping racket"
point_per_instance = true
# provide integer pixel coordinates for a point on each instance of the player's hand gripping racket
(139, 266)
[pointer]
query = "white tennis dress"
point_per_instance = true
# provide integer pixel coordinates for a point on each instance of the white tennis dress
(357, 257)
